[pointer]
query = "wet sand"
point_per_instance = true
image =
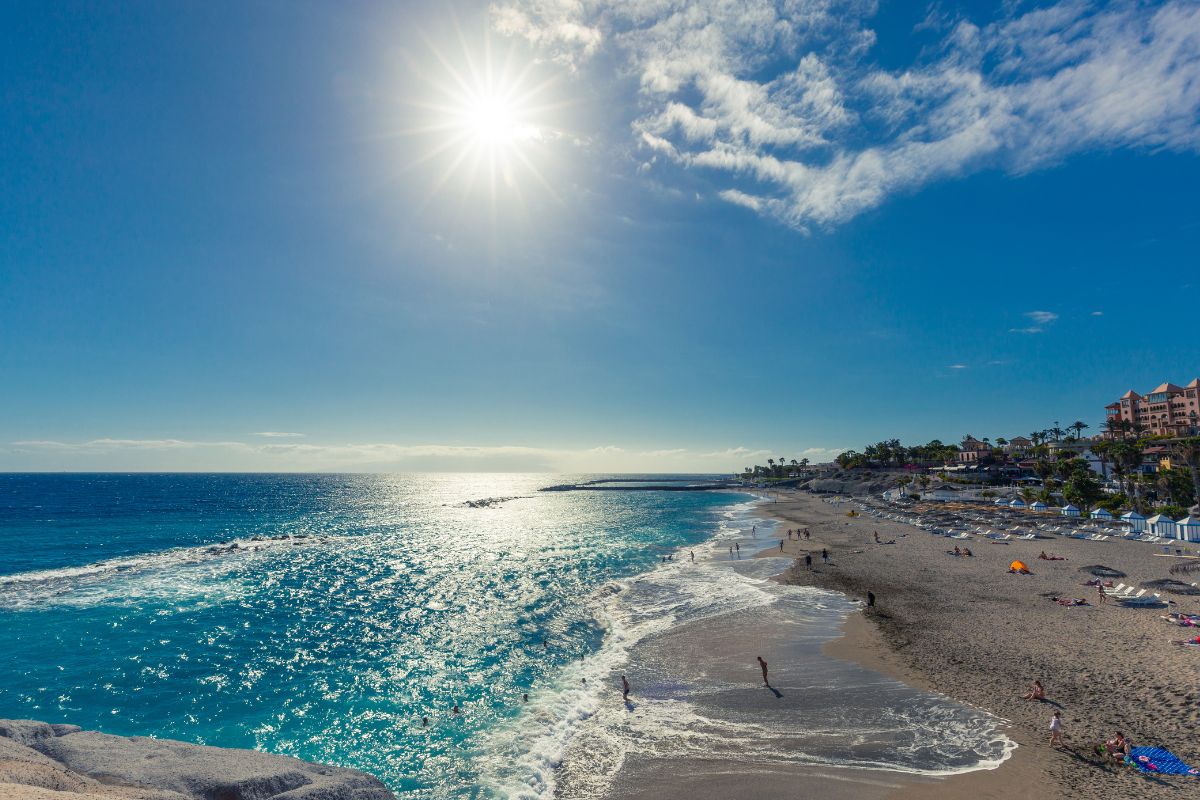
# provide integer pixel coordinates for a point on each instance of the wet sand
(967, 628)
(823, 729)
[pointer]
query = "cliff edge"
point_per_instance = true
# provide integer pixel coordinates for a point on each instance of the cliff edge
(39, 761)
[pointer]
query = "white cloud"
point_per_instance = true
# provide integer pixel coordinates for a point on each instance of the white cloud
(958, 366)
(831, 134)
(279, 435)
(1040, 320)
(1042, 317)
(1097, 313)
(736, 453)
(154, 454)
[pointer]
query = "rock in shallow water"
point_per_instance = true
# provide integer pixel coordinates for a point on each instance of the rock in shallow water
(36, 757)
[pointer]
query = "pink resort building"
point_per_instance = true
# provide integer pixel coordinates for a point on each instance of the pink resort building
(1169, 410)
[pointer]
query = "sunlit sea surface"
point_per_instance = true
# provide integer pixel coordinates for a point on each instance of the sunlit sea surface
(323, 616)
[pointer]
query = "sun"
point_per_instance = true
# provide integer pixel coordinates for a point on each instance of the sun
(489, 122)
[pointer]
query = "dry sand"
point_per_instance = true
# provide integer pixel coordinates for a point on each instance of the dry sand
(967, 628)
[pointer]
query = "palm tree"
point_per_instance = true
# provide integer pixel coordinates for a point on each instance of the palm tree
(1036, 437)
(1078, 426)
(1103, 451)
(1188, 451)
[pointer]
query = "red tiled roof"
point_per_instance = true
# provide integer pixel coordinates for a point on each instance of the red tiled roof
(1131, 394)
(1168, 387)
(1195, 384)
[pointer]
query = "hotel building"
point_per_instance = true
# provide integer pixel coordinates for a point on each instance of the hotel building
(1169, 410)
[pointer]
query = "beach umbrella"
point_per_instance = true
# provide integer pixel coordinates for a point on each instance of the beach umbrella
(1070, 510)
(1161, 525)
(1135, 520)
(1188, 529)
(1101, 513)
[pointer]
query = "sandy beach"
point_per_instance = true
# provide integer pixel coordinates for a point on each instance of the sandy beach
(967, 628)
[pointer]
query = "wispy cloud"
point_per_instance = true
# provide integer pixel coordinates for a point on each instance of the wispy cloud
(279, 435)
(832, 134)
(279, 453)
(1097, 313)
(958, 366)
(1040, 319)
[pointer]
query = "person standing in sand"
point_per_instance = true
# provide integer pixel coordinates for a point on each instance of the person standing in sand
(1056, 729)
(781, 545)
(1103, 594)
(624, 689)
(763, 664)
(824, 555)
(808, 560)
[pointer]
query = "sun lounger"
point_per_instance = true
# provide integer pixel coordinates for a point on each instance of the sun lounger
(1147, 600)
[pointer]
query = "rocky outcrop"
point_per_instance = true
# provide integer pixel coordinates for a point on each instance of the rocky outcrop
(62, 762)
(854, 482)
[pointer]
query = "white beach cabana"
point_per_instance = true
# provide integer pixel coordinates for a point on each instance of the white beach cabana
(1101, 513)
(1037, 505)
(1135, 520)
(1018, 503)
(1070, 510)
(999, 501)
(1188, 529)
(1161, 525)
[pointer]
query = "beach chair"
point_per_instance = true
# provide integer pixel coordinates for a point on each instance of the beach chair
(1150, 600)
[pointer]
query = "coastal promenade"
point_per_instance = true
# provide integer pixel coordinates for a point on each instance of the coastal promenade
(969, 629)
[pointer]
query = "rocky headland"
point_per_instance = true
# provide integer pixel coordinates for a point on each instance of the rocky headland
(39, 761)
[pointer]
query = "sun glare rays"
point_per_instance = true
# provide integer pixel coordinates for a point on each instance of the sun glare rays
(487, 124)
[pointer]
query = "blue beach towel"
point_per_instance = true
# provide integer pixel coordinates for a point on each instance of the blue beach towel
(1159, 762)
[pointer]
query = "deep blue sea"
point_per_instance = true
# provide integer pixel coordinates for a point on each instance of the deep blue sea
(323, 616)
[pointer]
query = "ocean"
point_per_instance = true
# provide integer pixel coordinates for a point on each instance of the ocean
(330, 617)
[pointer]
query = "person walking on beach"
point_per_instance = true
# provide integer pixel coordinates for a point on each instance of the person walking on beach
(1056, 729)
(808, 560)
(763, 664)
(624, 689)
(824, 555)
(693, 554)
(781, 545)
(1103, 594)
(738, 547)
(806, 534)
(870, 599)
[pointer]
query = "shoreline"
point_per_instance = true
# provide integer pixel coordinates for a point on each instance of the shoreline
(833, 729)
(968, 630)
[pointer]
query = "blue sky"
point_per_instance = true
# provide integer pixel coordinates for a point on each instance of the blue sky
(716, 231)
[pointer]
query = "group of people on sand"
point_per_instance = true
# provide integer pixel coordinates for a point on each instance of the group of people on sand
(799, 534)
(961, 551)
(1043, 557)
(1116, 748)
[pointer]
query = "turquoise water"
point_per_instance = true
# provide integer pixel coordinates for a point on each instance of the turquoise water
(389, 600)
(325, 616)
